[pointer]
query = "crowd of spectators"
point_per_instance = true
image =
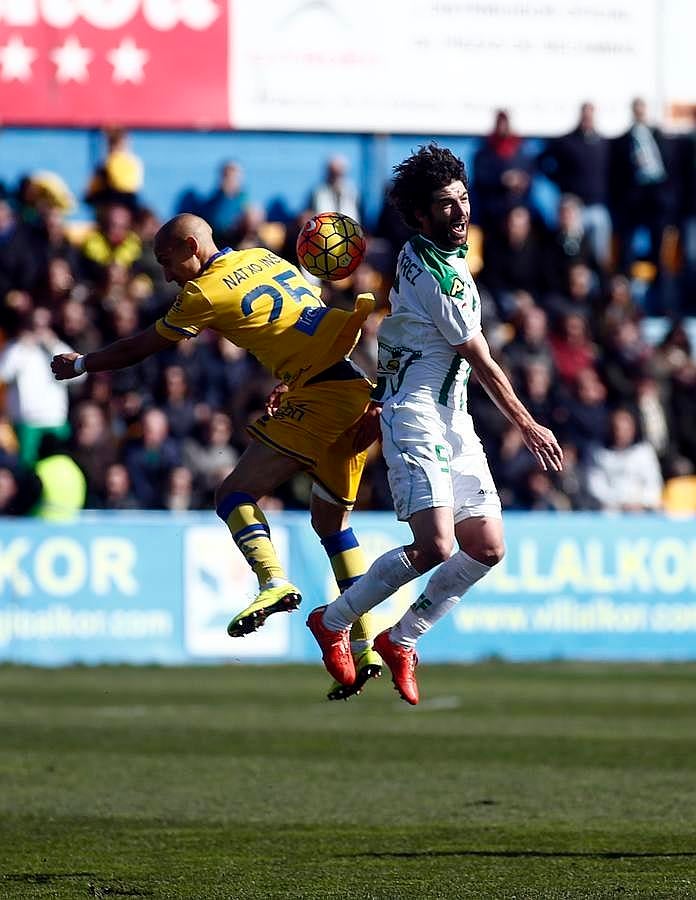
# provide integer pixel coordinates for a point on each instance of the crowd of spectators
(565, 302)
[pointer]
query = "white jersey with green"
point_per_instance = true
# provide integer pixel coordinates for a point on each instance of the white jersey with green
(433, 456)
(434, 306)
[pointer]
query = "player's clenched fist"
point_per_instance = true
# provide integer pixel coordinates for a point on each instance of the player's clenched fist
(63, 365)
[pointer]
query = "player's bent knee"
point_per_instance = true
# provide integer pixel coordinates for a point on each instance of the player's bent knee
(492, 554)
(435, 551)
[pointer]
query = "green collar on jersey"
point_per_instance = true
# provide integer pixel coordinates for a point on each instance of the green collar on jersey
(440, 264)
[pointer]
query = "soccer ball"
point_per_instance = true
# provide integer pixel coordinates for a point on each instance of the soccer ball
(331, 246)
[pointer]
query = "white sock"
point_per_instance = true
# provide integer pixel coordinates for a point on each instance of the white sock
(385, 576)
(443, 591)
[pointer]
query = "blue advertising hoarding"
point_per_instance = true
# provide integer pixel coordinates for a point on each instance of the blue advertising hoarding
(160, 588)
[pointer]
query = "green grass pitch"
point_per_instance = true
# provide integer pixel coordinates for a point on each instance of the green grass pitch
(240, 782)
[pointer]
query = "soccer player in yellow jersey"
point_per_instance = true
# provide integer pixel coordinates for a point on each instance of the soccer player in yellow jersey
(262, 303)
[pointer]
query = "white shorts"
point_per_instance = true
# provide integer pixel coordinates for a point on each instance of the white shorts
(435, 458)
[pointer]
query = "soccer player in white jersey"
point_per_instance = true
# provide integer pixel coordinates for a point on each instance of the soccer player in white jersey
(438, 472)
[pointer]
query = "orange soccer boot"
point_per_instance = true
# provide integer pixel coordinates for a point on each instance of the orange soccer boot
(335, 648)
(402, 664)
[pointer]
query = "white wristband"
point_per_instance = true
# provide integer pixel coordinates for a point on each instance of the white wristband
(79, 365)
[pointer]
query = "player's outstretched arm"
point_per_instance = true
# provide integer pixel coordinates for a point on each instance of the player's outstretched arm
(540, 440)
(126, 352)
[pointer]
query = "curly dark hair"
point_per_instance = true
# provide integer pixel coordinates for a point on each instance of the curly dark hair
(415, 179)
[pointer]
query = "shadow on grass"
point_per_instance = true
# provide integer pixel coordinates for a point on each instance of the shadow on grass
(512, 854)
(95, 890)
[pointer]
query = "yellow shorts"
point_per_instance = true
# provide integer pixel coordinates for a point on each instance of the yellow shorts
(316, 424)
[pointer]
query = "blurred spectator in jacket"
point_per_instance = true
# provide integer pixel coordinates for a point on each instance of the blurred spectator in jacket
(572, 347)
(673, 351)
(41, 191)
(619, 306)
(19, 269)
(653, 417)
(56, 285)
(572, 480)
(113, 242)
(50, 242)
(639, 185)
(117, 489)
(683, 404)
(175, 401)
(391, 226)
(180, 493)
(530, 344)
(512, 261)
(688, 210)
(578, 163)
(336, 193)
(514, 463)
(502, 174)
(20, 490)
(625, 362)
(583, 296)
(151, 458)
(538, 392)
(146, 224)
(63, 484)
(205, 371)
(540, 493)
(624, 475)
(583, 417)
(37, 404)
(122, 321)
(227, 202)
(210, 455)
(245, 231)
(119, 178)
(93, 447)
(567, 244)
(76, 328)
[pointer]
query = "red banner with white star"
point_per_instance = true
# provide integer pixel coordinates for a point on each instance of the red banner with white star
(114, 62)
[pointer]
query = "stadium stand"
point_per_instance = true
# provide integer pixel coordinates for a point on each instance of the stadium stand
(579, 334)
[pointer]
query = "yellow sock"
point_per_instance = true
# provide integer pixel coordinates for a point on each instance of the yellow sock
(249, 529)
(348, 564)
(362, 631)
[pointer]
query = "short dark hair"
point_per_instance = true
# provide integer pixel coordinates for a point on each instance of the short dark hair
(415, 179)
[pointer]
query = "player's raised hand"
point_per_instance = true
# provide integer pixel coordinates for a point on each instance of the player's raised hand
(273, 399)
(63, 366)
(368, 429)
(542, 443)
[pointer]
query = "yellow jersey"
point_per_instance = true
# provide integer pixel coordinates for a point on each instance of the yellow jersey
(263, 304)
